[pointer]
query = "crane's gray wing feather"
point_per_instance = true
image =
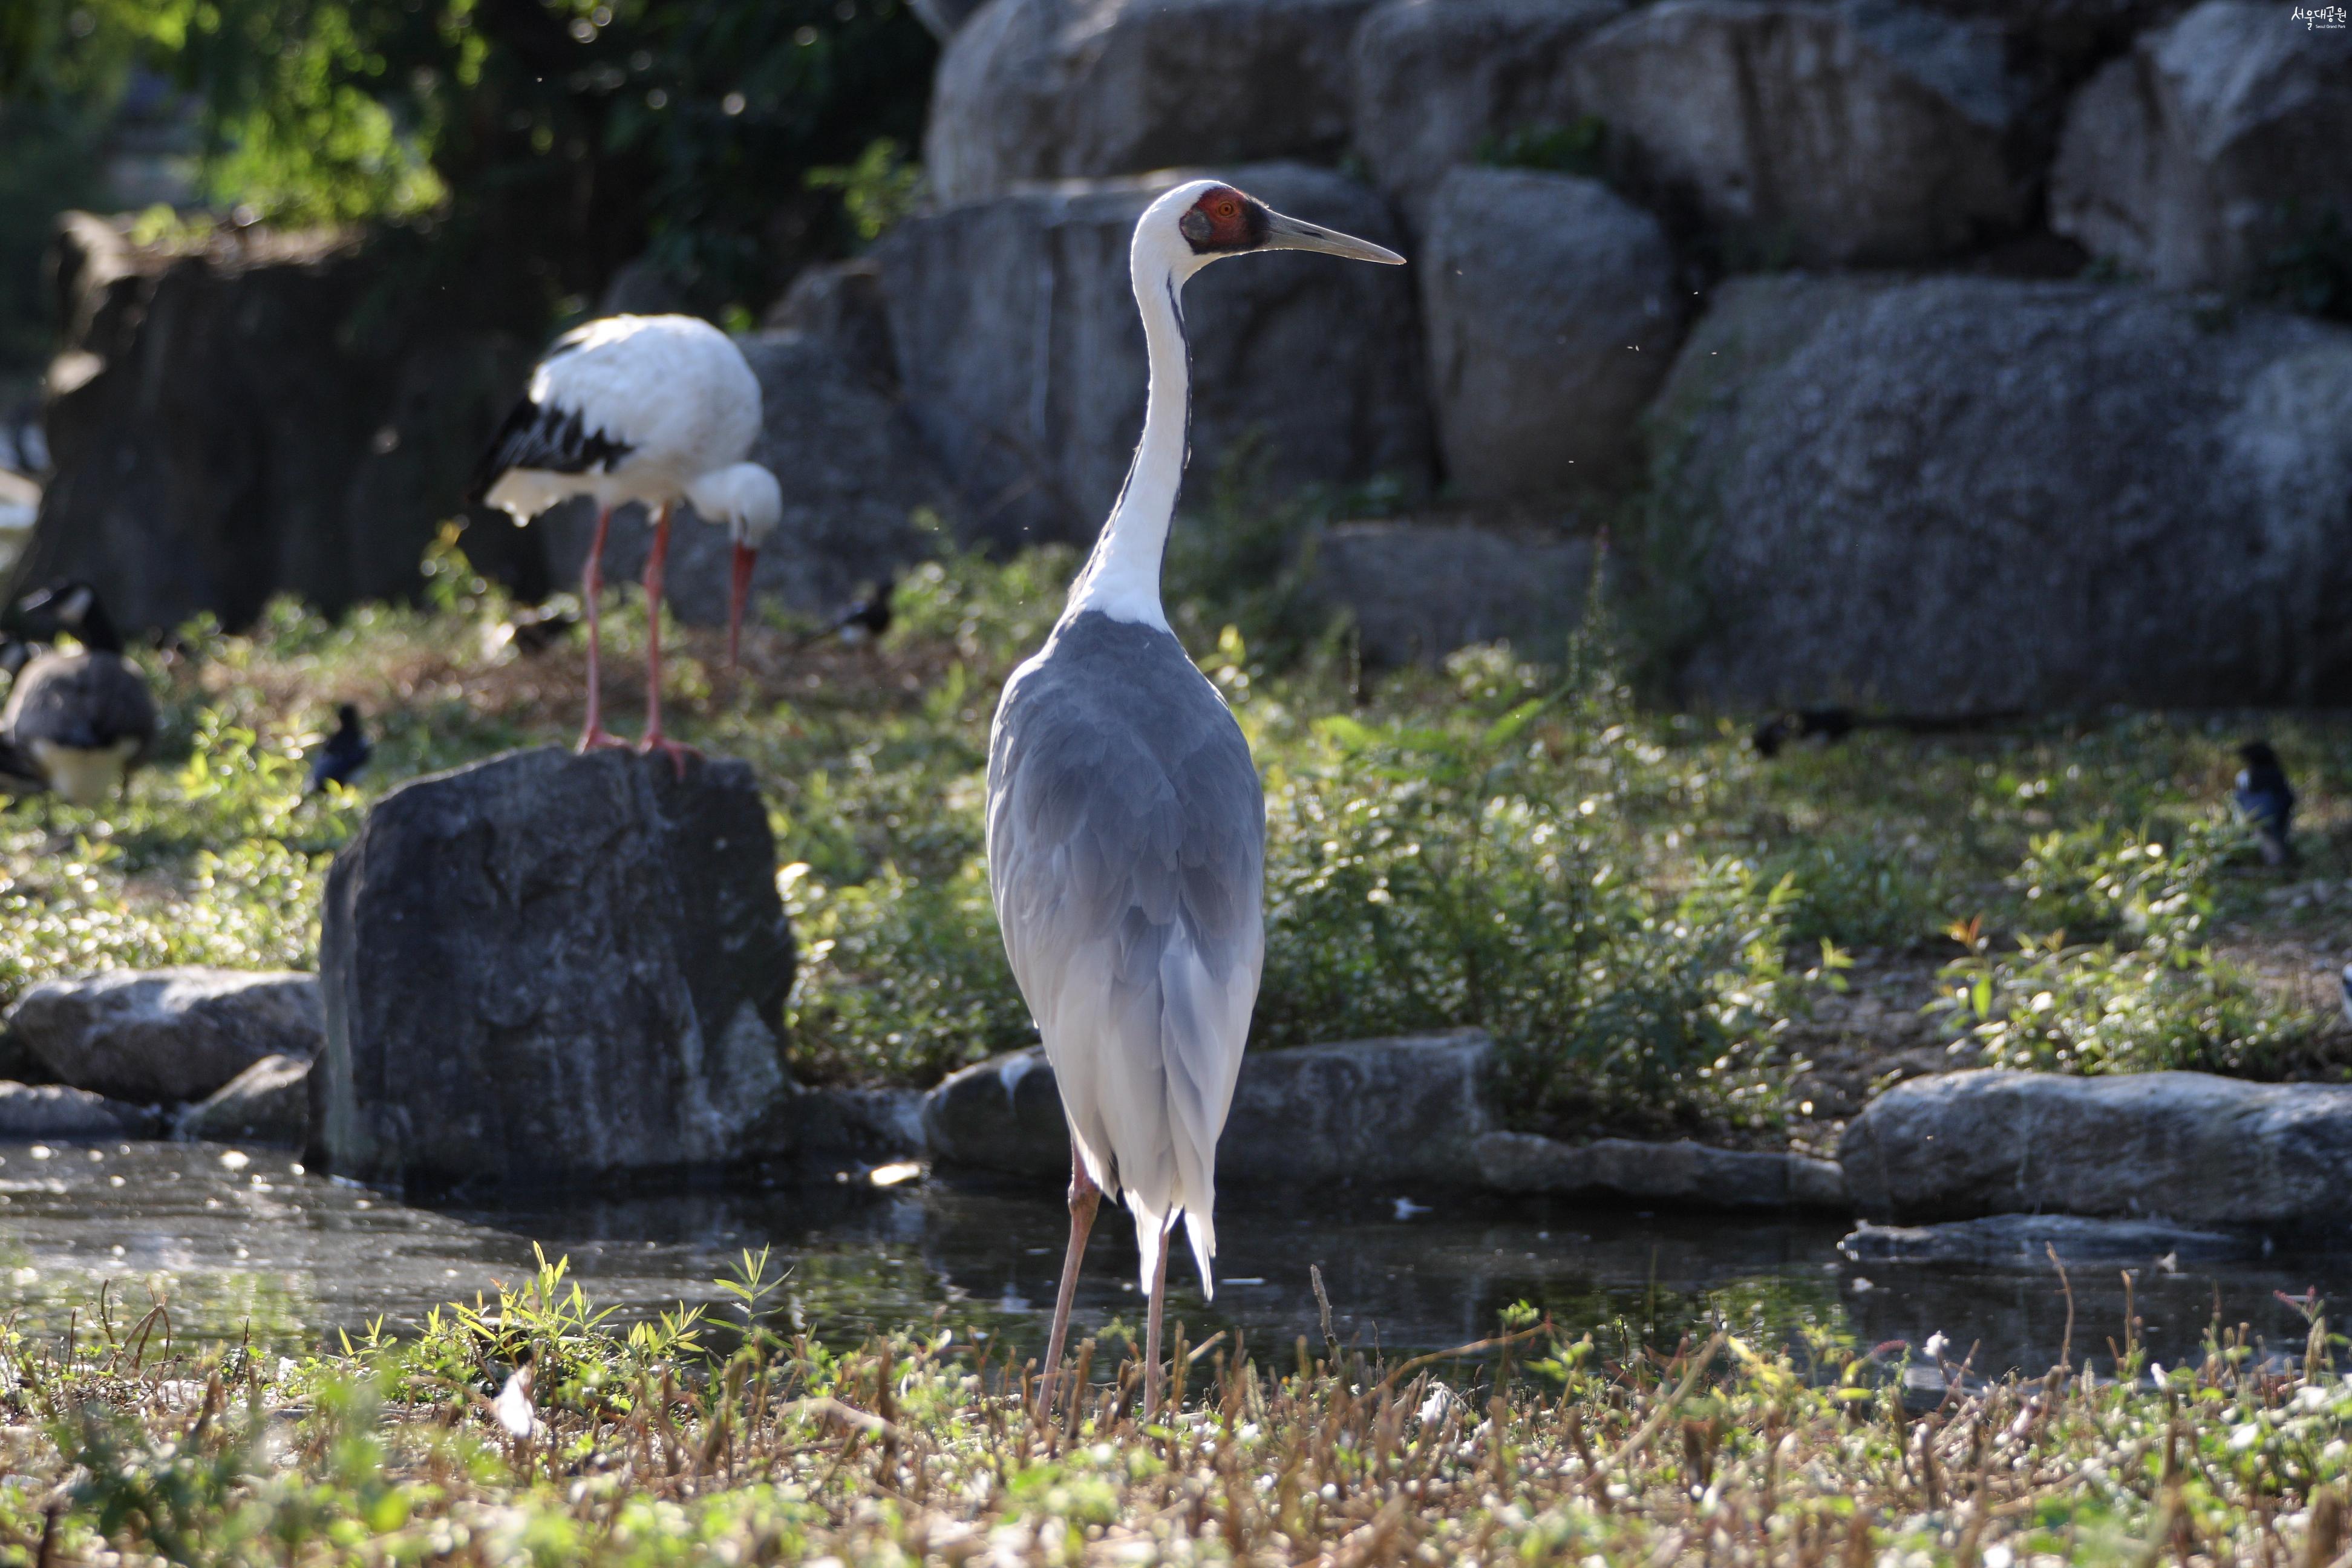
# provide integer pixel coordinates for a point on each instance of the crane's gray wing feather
(1127, 839)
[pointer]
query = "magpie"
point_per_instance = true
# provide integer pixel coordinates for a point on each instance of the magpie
(863, 620)
(344, 754)
(2266, 801)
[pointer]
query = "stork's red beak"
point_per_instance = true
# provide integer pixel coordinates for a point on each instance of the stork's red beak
(739, 591)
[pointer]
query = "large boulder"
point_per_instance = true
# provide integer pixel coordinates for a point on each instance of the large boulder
(1866, 131)
(1437, 82)
(1049, 89)
(1969, 494)
(1376, 1111)
(2217, 142)
(1552, 310)
(1023, 355)
(855, 476)
(268, 1102)
(2185, 1147)
(54, 1110)
(267, 416)
(545, 965)
(165, 1034)
(1417, 591)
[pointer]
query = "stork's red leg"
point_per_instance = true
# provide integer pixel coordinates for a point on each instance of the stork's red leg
(739, 589)
(655, 559)
(592, 587)
(1083, 1197)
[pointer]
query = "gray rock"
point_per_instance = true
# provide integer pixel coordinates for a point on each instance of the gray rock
(2218, 140)
(840, 303)
(1436, 80)
(268, 1102)
(1965, 493)
(2022, 1241)
(1860, 132)
(160, 1035)
(2185, 1147)
(54, 1110)
(1016, 331)
(943, 17)
(853, 472)
(544, 965)
(1376, 1111)
(1681, 1172)
(1419, 591)
(864, 1124)
(1552, 311)
(1050, 90)
(267, 416)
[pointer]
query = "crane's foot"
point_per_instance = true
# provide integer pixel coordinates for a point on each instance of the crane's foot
(676, 751)
(597, 737)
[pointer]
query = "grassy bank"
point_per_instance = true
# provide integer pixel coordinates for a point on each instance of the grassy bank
(690, 1440)
(1655, 922)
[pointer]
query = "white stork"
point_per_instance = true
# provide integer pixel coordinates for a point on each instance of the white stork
(652, 409)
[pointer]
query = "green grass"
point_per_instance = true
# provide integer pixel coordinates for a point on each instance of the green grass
(715, 1437)
(1633, 902)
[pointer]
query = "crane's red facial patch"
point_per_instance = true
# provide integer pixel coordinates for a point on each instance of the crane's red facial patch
(1223, 219)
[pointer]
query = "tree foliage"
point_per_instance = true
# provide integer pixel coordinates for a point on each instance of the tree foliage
(549, 140)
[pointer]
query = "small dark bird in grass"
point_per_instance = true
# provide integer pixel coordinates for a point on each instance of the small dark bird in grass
(537, 630)
(2266, 801)
(864, 620)
(345, 752)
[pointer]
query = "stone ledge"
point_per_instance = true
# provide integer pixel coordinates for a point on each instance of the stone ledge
(1680, 1173)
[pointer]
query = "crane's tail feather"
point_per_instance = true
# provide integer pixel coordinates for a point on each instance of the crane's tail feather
(1151, 1234)
(1201, 1224)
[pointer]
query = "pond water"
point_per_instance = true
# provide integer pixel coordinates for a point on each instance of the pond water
(245, 1242)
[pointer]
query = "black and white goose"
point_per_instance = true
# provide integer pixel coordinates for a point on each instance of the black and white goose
(76, 722)
(653, 409)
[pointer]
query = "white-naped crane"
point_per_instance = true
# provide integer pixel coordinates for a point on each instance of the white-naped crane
(1126, 824)
(75, 722)
(652, 409)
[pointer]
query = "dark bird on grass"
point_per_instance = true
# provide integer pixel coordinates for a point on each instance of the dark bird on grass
(863, 620)
(2266, 801)
(346, 752)
(652, 409)
(76, 722)
(534, 631)
(1126, 824)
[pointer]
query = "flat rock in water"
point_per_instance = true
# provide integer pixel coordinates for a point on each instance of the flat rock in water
(1682, 1172)
(268, 1102)
(546, 965)
(1408, 1109)
(863, 1124)
(162, 1035)
(2025, 1240)
(2183, 1147)
(1970, 494)
(54, 1110)
(1024, 365)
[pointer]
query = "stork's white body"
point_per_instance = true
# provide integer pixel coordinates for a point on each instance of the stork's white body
(673, 392)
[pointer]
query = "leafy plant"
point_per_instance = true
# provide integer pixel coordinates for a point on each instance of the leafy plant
(1579, 147)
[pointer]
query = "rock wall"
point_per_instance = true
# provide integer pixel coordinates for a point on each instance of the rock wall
(1974, 494)
(224, 427)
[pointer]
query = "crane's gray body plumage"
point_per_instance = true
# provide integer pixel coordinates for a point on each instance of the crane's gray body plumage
(1126, 851)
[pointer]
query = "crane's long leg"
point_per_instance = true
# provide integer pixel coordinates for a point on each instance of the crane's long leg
(592, 586)
(1151, 1328)
(1084, 1198)
(656, 560)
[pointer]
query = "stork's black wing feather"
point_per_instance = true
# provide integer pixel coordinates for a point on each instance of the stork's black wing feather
(546, 437)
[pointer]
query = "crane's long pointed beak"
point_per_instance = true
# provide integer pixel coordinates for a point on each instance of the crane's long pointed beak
(1292, 234)
(739, 591)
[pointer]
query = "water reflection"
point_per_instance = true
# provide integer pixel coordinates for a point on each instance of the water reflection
(243, 1242)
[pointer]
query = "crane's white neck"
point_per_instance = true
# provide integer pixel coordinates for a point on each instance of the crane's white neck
(1122, 576)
